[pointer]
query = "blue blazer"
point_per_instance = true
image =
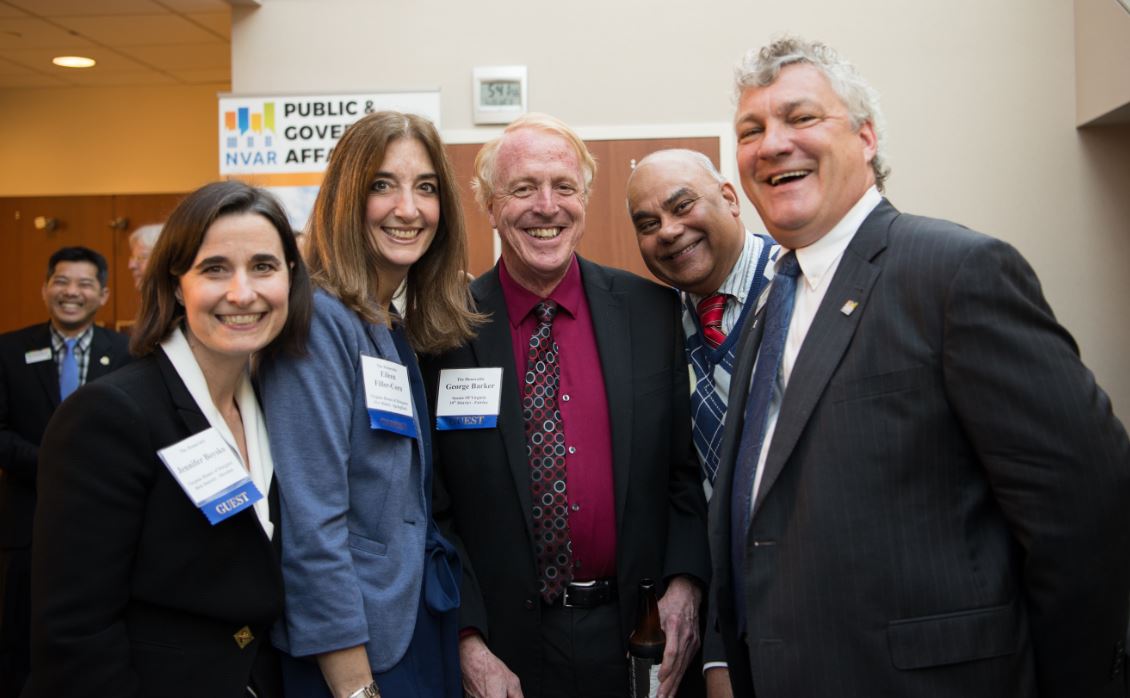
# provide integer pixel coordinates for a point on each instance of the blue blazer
(354, 501)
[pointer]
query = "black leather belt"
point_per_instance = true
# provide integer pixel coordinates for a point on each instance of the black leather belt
(589, 594)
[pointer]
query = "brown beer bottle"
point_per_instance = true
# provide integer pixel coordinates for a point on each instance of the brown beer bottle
(646, 644)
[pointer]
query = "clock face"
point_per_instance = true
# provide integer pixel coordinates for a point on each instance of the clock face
(500, 93)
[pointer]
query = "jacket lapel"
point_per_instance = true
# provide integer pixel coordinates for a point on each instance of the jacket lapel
(100, 358)
(746, 355)
(492, 347)
(827, 339)
(612, 328)
(385, 348)
(194, 423)
(47, 372)
(194, 420)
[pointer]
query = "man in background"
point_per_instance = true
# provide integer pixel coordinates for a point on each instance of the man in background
(141, 243)
(40, 366)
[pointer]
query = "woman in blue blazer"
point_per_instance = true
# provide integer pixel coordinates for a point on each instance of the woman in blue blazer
(136, 592)
(371, 586)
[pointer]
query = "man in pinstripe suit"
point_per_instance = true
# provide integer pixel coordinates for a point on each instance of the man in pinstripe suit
(934, 494)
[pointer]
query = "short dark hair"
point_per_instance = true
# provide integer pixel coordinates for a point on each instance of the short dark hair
(79, 254)
(176, 249)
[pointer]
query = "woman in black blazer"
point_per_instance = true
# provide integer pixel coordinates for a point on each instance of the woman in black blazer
(135, 591)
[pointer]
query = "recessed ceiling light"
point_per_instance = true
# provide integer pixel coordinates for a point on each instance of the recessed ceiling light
(73, 61)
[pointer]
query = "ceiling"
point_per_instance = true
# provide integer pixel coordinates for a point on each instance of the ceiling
(135, 42)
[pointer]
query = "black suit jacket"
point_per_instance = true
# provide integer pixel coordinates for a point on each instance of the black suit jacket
(134, 593)
(482, 475)
(29, 394)
(944, 507)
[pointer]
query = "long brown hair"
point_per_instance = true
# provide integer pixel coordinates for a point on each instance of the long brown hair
(176, 249)
(343, 256)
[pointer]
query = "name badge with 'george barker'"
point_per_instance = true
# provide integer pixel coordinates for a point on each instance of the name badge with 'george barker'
(211, 474)
(388, 396)
(468, 398)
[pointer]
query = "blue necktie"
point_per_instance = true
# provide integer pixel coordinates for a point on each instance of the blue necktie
(68, 374)
(778, 313)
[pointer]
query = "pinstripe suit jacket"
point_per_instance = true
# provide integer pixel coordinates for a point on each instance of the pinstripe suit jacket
(944, 508)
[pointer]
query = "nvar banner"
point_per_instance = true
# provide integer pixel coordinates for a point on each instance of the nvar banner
(265, 135)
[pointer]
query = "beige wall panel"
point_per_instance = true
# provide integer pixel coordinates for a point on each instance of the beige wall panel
(108, 141)
(1102, 60)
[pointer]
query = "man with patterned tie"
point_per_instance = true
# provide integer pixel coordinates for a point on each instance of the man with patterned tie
(40, 366)
(691, 236)
(589, 482)
(927, 495)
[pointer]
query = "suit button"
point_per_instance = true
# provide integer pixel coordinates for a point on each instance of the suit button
(529, 604)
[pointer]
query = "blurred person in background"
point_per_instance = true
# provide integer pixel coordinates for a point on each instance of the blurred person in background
(141, 243)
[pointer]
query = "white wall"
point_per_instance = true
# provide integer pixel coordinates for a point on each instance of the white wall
(980, 97)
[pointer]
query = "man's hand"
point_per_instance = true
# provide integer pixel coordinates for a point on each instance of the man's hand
(485, 675)
(718, 683)
(678, 615)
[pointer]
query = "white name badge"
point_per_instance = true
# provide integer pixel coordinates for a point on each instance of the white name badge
(37, 355)
(468, 398)
(211, 474)
(388, 395)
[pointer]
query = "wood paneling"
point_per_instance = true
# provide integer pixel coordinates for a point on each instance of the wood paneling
(480, 236)
(609, 237)
(138, 210)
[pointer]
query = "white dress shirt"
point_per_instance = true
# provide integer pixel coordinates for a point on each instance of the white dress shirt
(818, 264)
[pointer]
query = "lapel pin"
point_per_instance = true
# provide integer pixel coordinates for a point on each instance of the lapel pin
(849, 307)
(105, 361)
(243, 637)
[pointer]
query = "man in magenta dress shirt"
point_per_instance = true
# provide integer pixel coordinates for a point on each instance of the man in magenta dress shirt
(629, 476)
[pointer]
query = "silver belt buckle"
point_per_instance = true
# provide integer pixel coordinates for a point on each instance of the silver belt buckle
(565, 596)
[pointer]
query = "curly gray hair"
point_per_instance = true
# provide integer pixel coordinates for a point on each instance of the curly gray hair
(760, 68)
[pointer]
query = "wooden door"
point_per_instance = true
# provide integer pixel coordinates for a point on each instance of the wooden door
(609, 236)
(480, 236)
(133, 211)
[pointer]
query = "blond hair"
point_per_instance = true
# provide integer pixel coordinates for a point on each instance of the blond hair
(483, 182)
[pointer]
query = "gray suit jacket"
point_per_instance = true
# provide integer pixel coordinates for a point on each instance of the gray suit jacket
(943, 510)
(354, 501)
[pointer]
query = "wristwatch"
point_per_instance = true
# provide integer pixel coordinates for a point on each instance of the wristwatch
(370, 691)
